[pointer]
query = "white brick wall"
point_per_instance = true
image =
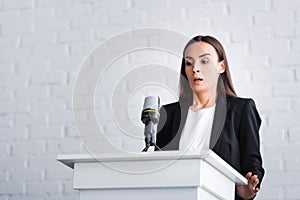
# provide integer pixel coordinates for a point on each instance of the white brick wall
(43, 43)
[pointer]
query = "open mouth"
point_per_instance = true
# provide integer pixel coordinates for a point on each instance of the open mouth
(198, 79)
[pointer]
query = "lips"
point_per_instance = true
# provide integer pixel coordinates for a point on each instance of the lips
(198, 79)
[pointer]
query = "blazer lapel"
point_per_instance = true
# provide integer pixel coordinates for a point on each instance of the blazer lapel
(219, 120)
(179, 119)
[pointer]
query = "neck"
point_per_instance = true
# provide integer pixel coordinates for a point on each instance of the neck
(203, 100)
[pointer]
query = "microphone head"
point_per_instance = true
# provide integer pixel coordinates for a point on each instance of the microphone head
(150, 111)
(151, 102)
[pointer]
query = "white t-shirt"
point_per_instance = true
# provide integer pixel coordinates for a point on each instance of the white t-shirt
(197, 130)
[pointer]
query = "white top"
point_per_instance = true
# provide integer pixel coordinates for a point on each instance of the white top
(197, 130)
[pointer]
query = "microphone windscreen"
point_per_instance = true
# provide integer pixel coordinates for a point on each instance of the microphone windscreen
(151, 102)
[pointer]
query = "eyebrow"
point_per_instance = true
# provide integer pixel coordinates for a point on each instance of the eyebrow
(205, 54)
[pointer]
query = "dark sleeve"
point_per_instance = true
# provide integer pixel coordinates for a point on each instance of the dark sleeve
(251, 160)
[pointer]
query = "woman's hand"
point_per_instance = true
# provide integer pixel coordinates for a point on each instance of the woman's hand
(248, 191)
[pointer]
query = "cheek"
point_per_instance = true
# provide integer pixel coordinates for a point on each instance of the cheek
(210, 73)
(189, 72)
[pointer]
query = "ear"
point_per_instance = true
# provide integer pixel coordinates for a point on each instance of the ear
(221, 67)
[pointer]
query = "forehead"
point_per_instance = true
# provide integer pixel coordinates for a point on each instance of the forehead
(198, 48)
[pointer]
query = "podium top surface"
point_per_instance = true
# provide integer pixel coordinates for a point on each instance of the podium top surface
(70, 159)
(208, 156)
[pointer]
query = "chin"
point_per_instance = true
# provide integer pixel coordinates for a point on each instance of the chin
(199, 90)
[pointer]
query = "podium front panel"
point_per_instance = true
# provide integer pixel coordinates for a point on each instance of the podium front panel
(189, 193)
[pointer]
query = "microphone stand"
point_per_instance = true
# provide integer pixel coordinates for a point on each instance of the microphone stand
(150, 136)
(149, 145)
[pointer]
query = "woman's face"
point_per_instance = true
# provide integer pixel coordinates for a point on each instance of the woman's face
(202, 67)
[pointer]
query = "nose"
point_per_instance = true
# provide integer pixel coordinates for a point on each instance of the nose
(196, 69)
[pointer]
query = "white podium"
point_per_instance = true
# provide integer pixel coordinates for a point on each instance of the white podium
(167, 175)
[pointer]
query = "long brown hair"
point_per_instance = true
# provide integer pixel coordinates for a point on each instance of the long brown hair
(185, 89)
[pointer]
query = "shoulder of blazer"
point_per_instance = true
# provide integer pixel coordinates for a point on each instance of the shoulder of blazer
(244, 107)
(236, 101)
(173, 105)
(239, 102)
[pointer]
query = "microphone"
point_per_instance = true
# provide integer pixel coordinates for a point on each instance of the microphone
(150, 117)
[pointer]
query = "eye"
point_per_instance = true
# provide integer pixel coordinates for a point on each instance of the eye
(188, 64)
(204, 61)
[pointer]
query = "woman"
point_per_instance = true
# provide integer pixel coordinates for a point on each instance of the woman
(210, 115)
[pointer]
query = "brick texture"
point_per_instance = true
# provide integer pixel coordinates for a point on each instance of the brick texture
(43, 44)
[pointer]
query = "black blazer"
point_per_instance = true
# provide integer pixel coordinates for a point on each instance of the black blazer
(234, 136)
